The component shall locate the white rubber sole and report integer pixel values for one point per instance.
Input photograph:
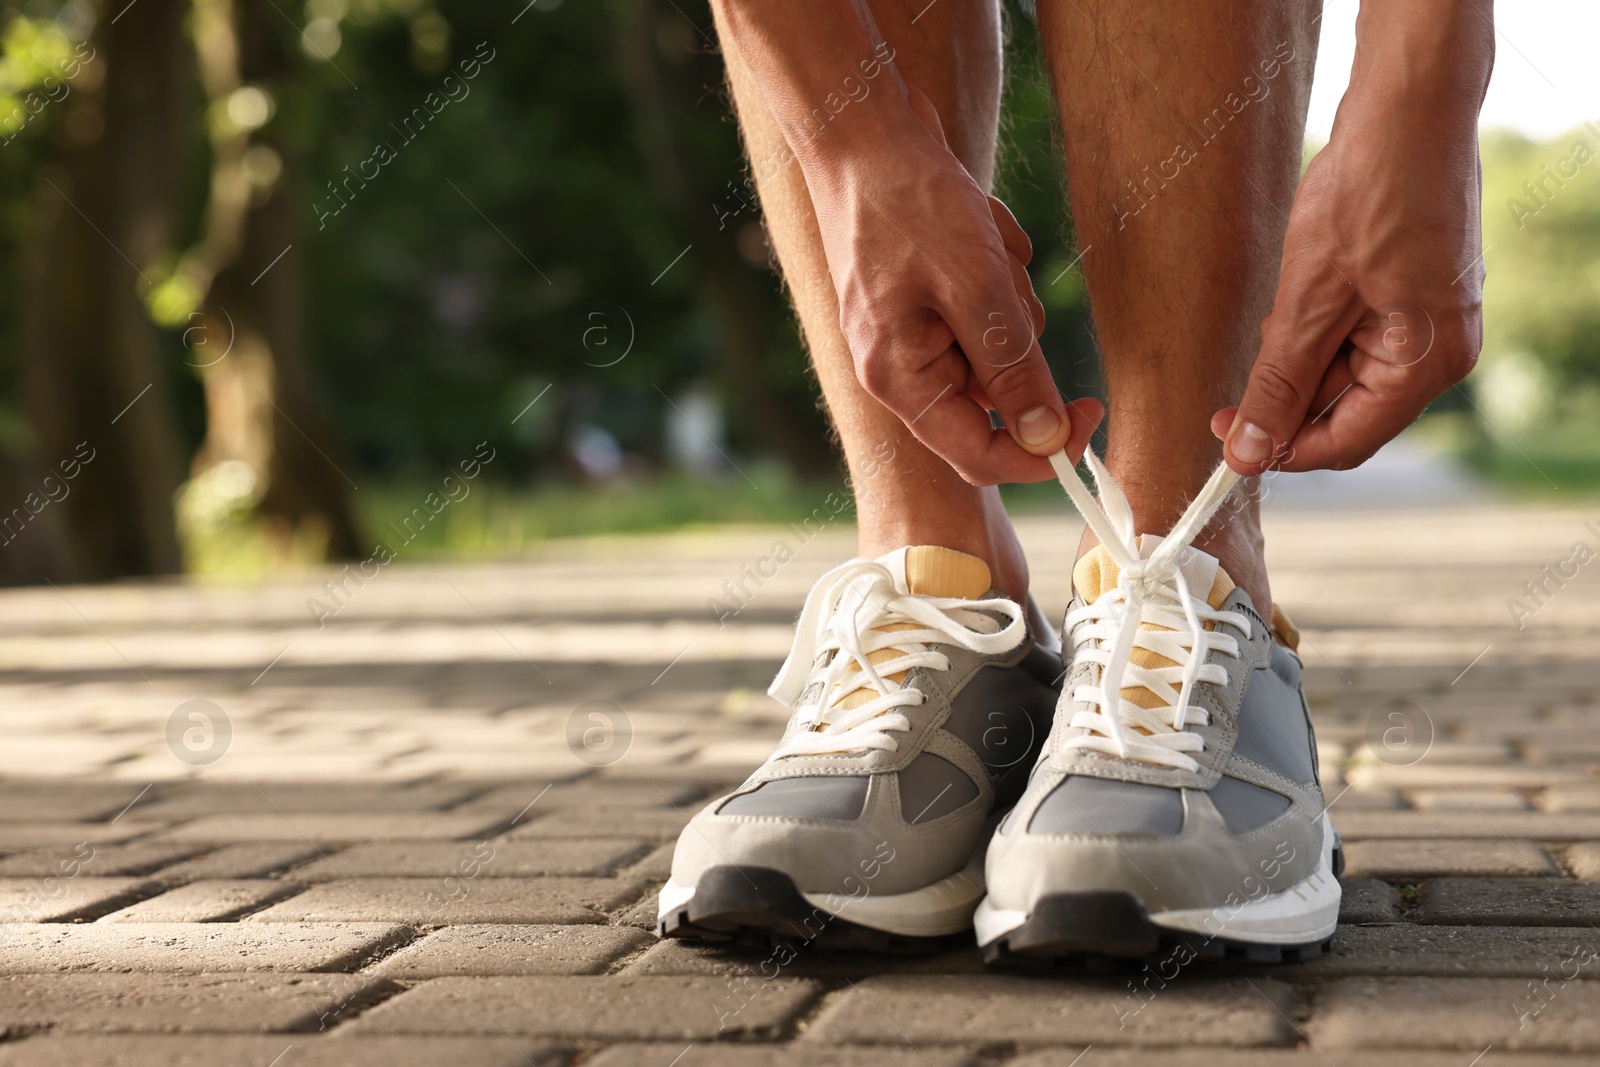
(1306, 911)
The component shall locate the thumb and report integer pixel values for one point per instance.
(1286, 376)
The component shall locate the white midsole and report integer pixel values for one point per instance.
(1306, 911)
(945, 907)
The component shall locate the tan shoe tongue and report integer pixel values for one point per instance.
(1096, 573)
(930, 570)
(923, 570)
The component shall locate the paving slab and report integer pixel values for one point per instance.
(615, 1008)
(1510, 902)
(662, 1055)
(657, 866)
(63, 802)
(270, 798)
(193, 948)
(483, 859)
(1467, 1014)
(987, 1009)
(1368, 900)
(141, 857)
(1468, 822)
(255, 860)
(1583, 860)
(1302, 1056)
(542, 797)
(500, 948)
(657, 825)
(17, 836)
(332, 827)
(279, 1050)
(52, 899)
(1447, 951)
(206, 901)
(441, 902)
(1413, 859)
(154, 1003)
(1573, 797)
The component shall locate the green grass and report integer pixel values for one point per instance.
(499, 521)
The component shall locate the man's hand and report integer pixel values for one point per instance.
(1378, 308)
(937, 306)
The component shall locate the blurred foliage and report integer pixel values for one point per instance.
(486, 238)
(1538, 385)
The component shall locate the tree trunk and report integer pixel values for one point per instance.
(93, 371)
(249, 271)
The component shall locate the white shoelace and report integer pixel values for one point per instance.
(844, 614)
(1152, 591)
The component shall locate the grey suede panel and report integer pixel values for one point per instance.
(1002, 715)
(932, 787)
(808, 798)
(1248, 826)
(1244, 805)
(1083, 805)
(1204, 866)
(825, 855)
(1273, 730)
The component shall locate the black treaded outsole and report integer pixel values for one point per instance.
(1112, 931)
(758, 907)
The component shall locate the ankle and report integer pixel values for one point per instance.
(984, 531)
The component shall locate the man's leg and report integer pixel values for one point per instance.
(905, 495)
(1183, 124)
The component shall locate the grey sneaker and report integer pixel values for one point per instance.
(921, 699)
(1176, 805)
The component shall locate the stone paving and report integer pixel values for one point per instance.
(430, 829)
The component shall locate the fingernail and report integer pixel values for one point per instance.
(1251, 444)
(1038, 427)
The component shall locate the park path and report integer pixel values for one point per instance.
(429, 830)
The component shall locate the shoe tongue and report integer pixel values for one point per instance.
(1096, 572)
(921, 570)
(930, 570)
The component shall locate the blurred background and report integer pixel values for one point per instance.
(291, 281)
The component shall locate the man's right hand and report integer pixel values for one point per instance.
(937, 306)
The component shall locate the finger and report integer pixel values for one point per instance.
(1360, 423)
(1337, 380)
(1024, 283)
(960, 431)
(1005, 357)
(1314, 313)
(1011, 231)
